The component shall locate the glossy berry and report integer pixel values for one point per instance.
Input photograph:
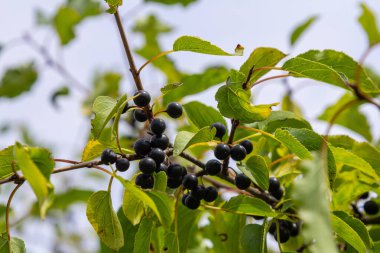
(174, 110)
(222, 151)
(145, 181)
(142, 99)
(125, 109)
(158, 155)
(108, 156)
(273, 228)
(278, 194)
(211, 193)
(190, 181)
(364, 195)
(220, 130)
(192, 203)
(122, 164)
(198, 192)
(175, 171)
(274, 184)
(139, 115)
(184, 172)
(371, 207)
(159, 141)
(184, 196)
(238, 152)
(242, 181)
(213, 167)
(147, 165)
(247, 145)
(295, 229)
(174, 182)
(162, 167)
(157, 126)
(141, 147)
(284, 235)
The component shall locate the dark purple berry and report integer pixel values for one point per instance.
(175, 170)
(184, 196)
(158, 155)
(142, 99)
(159, 141)
(174, 182)
(364, 195)
(157, 126)
(192, 203)
(213, 167)
(145, 181)
(122, 164)
(371, 207)
(278, 194)
(295, 229)
(247, 145)
(211, 193)
(198, 192)
(274, 184)
(139, 115)
(108, 156)
(190, 181)
(141, 147)
(162, 167)
(222, 151)
(242, 181)
(220, 130)
(238, 152)
(174, 110)
(147, 165)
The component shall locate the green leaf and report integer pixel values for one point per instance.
(331, 67)
(292, 143)
(64, 200)
(170, 87)
(185, 139)
(369, 153)
(171, 2)
(350, 118)
(249, 206)
(165, 206)
(369, 23)
(252, 239)
(133, 205)
(160, 180)
(198, 45)
(37, 173)
(15, 245)
(105, 109)
(300, 29)
(234, 102)
(18, 80)
(6, 158)
(187, 222)
(202, 115)
(104, 220)
(261, 57)
(196, 83)
(257, 170)
(278, 119)
(357, 225)
(310, 194)
(60, 92)
(142, 239)
(113, 4)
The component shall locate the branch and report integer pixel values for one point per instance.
(234, 125)
(269, 78)
(7, 209)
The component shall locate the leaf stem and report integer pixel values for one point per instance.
(153, 59)
(8, 207)
(234, 125)
(290, 156)
(269, 78)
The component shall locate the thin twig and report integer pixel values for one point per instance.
(269, 78)
(234, 125)
(153, 59)
(7, 209)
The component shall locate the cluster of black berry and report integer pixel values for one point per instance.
(370, 207)
(110, 157)
(275, 188)
(286, 230)
(197, 192)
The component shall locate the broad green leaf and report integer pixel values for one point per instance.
(331, 67)
(171, 243)
(37, 177)
(171, 2)
(198, 45)
(18, 80)
(348, 234)
(369, 153)
(6, 158)
(113, 4)
(42, 158)
(133, 205)
(170, 87)
(252, 239)
(196, 83)
(60, 92)
(187, 222)
(292, 143)
(300, 29)
(142, 239)
(368, 22)
(202, 115)
(234, 102)
(261, 57)
(257, 170)
(310, 194)
(105, 109)
(346, 157)
(92, 150)
(278, 119)
(104, 220)
(64, 200)
(350, 118)
(15, 245)
(160, 180)
(249, 206)
(357, 225)
(165, 206)
(185, 139)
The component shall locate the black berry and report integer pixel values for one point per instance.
(198, 192)
(220, 130)
(145, 181)
(162, 167)
(122, 164)
(147, 165)
(190, 181)
(108, 156)
(295, 229)
(274, 184)
(157, 126)
(222, 151)
(371, 207)
(192, 203)
(247, 145)
(174, 110)
(364, 195)
(184, 198)
(238, 152)
(141, 147)
(175, 171)
(158, 155)
(125, 109)
(211, 193)
(159, 141)
(278, 194)
(139, 115)
(142, 99)
(213, 167)
(174, 182)
(273, 228)
(284, 235)
(242, 181)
